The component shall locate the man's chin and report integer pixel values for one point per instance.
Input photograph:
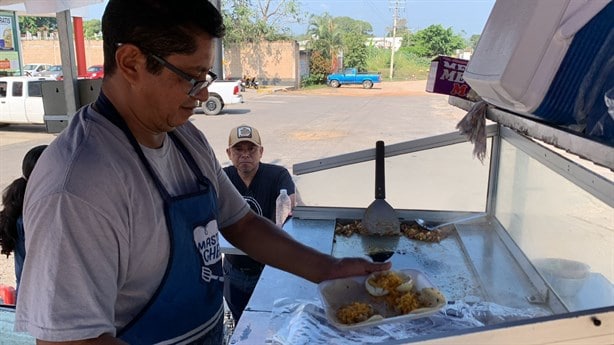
(245, 168)
(183, 117)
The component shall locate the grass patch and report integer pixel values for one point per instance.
(314, 87)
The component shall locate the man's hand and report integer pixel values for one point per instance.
(347, 267)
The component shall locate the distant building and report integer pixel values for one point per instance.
(385, 42)
(463, 53)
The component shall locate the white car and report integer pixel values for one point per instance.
(35, 69)
(221, 94)
(21, 100)
(55, 72)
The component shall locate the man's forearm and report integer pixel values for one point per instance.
(266, 243)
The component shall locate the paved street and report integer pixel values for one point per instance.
(302, 126)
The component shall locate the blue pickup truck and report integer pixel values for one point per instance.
(352, 76)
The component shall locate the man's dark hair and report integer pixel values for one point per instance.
(12, 199)
(161, 27)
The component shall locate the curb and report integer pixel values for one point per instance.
(277, 89)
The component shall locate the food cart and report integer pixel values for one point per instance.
(529, 256)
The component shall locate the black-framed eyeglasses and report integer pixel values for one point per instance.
(197, 85)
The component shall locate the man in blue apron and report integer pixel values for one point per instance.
(124, 209)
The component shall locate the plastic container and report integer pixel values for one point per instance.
(283, 207)
(565, 276)
(339, 292)
(547, 59)
(7, 295)
(446, 77)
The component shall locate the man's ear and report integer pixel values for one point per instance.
(130, 62)
(228, 152)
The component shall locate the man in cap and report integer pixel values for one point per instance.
(259, 183)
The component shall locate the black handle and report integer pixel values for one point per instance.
(380, 189)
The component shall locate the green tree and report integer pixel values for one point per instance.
(473, 41)
(254, 21)
(319, 68)
(348, 25)
(33, 24)
(92, 29)
(355, 51)
(407, 38)
(402, 28)
(354, 34)
(325, 37)
(435, 40)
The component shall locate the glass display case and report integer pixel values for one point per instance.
(530, 253)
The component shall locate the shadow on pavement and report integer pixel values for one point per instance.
(224, 112)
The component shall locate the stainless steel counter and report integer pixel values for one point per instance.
(472, 263)
(275, 284)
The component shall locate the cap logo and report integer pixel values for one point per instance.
(244, 132)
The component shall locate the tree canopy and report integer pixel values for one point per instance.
(92, 29)
(334, 36)
(435, 40)
(253, 21)
(33, 24)
(325, 35)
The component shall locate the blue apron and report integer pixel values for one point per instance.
(187, 307)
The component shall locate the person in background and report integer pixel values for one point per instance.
(11, 219)
(126, 207)
(259, 183)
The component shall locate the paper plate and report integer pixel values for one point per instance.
(337, 293)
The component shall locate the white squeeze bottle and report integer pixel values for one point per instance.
(283, 207)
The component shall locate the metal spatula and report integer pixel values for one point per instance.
(380, 218)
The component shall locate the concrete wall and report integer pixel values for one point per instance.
(48, 51)
(272, 63)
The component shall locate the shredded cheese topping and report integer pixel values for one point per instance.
(388, 281)
(354, 313)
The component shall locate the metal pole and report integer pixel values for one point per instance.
(394, 33)
(218, 67)
(67, 53)
(79, 46)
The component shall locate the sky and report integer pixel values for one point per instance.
(469, 16)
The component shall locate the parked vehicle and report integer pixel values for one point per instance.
(35, 69)
(21, 100)
(222, 93)
(352, 76)
(95, 72)
(54, 72)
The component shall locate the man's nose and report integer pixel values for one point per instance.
(203, 95)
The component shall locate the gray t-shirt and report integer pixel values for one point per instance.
(96, 233)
